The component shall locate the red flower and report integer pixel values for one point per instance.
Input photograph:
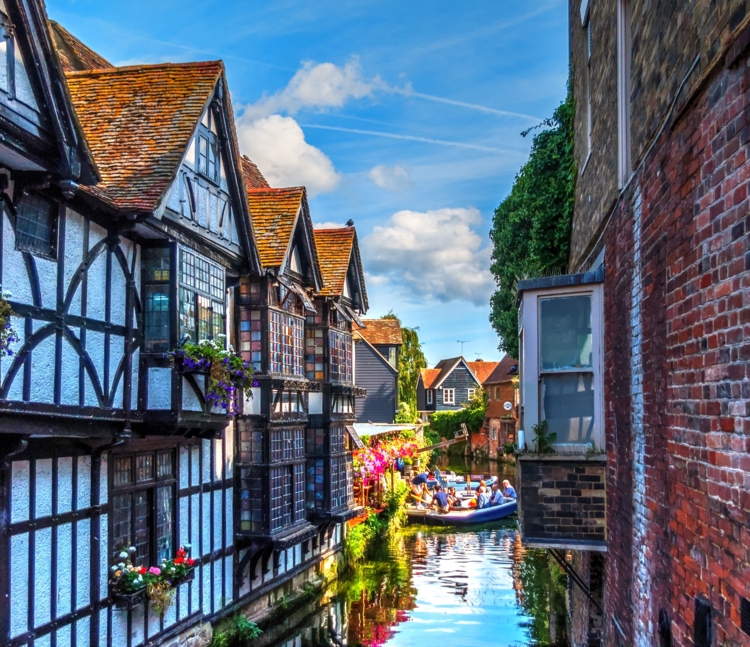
(179, 560)
(190, 561)
(142, 570)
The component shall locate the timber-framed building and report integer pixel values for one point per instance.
(131, 224)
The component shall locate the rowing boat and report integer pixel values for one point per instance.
(463, 517)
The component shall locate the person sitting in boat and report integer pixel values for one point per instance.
(453, 499)
(497, 495)
(440, 500)
(483, 496)
(509, 491)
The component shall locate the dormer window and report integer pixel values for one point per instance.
(208, 162)
(294, 263)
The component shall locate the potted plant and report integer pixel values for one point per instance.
(7, 334)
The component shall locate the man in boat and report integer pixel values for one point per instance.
(483, 496)
(509, 491)
(497, 495)
(440, 500)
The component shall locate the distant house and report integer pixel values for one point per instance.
(502, 407)
(376, 351)
(450, 384)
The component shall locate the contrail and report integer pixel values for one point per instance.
(426, 140)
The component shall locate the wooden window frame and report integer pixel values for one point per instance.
(452, 399)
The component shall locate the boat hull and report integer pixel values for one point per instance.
(468, 517)
(459, 483)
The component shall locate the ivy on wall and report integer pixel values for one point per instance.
(531, 227)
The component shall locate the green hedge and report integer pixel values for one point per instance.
(446, 423)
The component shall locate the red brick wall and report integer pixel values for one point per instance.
(677, 386)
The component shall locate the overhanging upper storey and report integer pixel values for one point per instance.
(561, 465)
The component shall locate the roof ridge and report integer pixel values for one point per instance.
(275, 189)
(145, 68)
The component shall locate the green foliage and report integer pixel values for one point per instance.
(544, 585)
(509, 448)
(235, 631)
(407, 414)
(544, 439)
(7, 334)
(446, 423)
(531, 227)
(411, 360)
(359, 538)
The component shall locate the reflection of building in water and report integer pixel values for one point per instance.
(517, 555)
(326, 628)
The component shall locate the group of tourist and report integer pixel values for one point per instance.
(446, 499)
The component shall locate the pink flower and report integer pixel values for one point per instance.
(154, 570)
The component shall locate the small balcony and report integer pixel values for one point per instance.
(562, 501)
(172, 398)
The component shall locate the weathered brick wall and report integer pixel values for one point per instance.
(561, 498)
(677, 387)
(667, 38)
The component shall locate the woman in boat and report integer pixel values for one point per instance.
(483, 496)
(453, 499)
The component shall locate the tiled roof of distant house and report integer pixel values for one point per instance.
(251, 173)
(73, 54)
(429, 375)
(334, 254)
(381, 332)
(445, 367)
(482, 370)
(502, 371)
(138, 122)
(274, 212)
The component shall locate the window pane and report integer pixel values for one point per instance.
(187, 314)
(565, 333)
(164, 514)
(156, 264)
(204, 317)
(123, 470)
(35, 225)
(121, 523)
(568, 402)
(157, 317)
(141, 528)
(164, 464)
(144, 468)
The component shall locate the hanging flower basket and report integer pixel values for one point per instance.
(228, 372)
(131, 585)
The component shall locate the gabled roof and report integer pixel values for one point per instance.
(274, 214)
(381, 332)
(502, 373)
(73, 54)
(479, 370)
(376, 352)
(251, 174)
(138, 121)
(334, 253)
(429, 375)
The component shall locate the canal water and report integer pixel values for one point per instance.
(443, 586)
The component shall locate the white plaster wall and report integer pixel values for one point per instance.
(42, 576)
(84, 482)
(19, 586)
(16, 389)
(43, 488)
(74, 231)
(135, 374)
(229, 517)
(83, 563)
(15, 277)
(47, 273)
(184, 466)
(118, 295)
(83, 632)
(64, 484)
(70, 368)
(19, 491)
(158, 396)
(116, 353)
(64, 570)
(43, 370)
(190, 401)
(97, 286)
(95, 350)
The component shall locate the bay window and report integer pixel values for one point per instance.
(156, 287)
(340, 350)
(561, 350)
(201, 297)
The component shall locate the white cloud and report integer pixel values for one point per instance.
(277, 145)
(315, 85)
(328, 225)
(390, 178)
(435, 254)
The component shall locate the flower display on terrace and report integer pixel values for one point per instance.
(7, 334)
(158, 582)
(374, 460)
(228, 372)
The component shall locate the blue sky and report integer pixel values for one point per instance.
(403, 116)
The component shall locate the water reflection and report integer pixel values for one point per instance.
(477, 587)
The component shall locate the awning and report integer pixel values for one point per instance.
(358, 444)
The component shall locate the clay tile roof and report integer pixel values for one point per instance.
(334, 253)
(501, 373)
(482, 370)
(138, 122)
(74, 55)
(381, 332)
(251, 173)
(429, 375)
(274, 212)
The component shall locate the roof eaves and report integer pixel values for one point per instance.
(446, 371)
(378, 353)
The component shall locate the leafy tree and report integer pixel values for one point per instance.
(531, 227)
(411, 359)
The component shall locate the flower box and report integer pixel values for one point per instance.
(128, 601)
(184, 579)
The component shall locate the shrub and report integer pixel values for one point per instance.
(235, 631)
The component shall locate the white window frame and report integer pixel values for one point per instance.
(429, 396)
(529, 343)
(452, 399)
(471, 394)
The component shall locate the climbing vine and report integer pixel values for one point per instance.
(531, 227)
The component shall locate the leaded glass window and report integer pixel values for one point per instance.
(286, 343)
(340, 349)
(314, 353)
(143, 513)
(281, 497)
(202, 310)
(252, 488)
(36, 225)
(315, 484)
(156, 274)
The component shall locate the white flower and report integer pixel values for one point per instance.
(123, 554)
